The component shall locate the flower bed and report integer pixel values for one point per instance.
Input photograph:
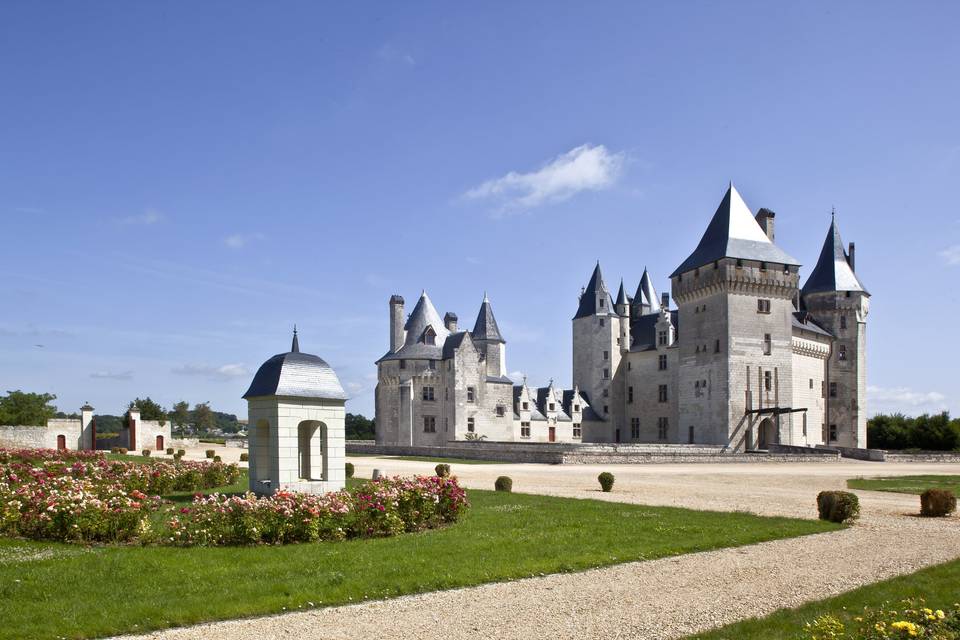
(62, 496)
(912, 619)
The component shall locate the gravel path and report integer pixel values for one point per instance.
(665, 598)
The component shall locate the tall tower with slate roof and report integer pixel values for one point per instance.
(596, 349)
(486, 335)
(836, 299)
(735, 295)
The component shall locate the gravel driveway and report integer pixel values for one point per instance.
(665, 598)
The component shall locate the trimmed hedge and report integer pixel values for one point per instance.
(244, 457)
(937, 503)
(442, 470)
(503, 483)
(211, 453)
(838, 506)
(146, 453)
(348, 469)
(606, 481)
(169, 451)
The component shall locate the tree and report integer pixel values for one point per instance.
(149, 410)
(180, 415)
(203, 417)
(34, 409)
(359, 428)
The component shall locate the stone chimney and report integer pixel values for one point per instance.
(450, 321)
(396, 323)
(665, 300)
(852, 257)
(765, 220)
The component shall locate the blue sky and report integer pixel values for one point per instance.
(182, 182)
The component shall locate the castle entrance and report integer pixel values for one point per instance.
(767, 433)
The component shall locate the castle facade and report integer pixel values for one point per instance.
(747, 358)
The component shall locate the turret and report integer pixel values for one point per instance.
(597, 343)
(486, 335)
(645, 301)
(623, 310)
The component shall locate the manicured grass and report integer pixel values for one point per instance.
(939, 586)
(450, 461)
(907, 484)
(49, 590)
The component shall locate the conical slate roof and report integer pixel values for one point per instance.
(485, 328)
(646, 294)
(621, 295)
(734, 233)
(832, 271)
(424, 315)
(588, 300)
(300, 375)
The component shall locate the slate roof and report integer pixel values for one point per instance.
(296, 374)
(588, 299)
(424, 315)
(646, 293)
(643, 330)
(733, 232)
(486, 327)
(803, 320)
(622, 295)
(832, 271)
(452, 343)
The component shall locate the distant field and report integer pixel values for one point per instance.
(907, 484)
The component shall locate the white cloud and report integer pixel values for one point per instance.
(112, 375)
(223, 372)
(951, 255)
(516, 376)
(146, 218)
(903, 399)
(584, 168)
(240, 240)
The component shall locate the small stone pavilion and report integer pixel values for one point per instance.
(296, 415)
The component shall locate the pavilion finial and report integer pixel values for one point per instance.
(295, 347)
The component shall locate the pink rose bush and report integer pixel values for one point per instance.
(83, 497)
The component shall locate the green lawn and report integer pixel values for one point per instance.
(450, 461)
(939, 586)
(907, 484)
(50, 590)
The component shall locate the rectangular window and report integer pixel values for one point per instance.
(471, 425)
(635, 428)
(446, 424)
(663, 425)
(428, 393)
(662, 393)
(842, 353)
(763, 306)
(576, 407)
(501, 411)
(526, 406)
(446, 393)
(716, 346)
(833, 389)
(662, 362)
(767, 344)
(629, 394)
(601, 322)
(811, 383)
(804, 424)
(690, 435)
(662, 338)
(601, 303)
(768, 380)
(843, 322)
(833, 433)
(429, 424)
(629, 366)
(471, 394)
(606, 393)
(606, 374)
(553, 407)
(606, 355)
(606, 409)
(432, 365)
(576, 430)
(524, 429)
(403, 364)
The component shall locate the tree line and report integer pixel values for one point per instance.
(937, 432)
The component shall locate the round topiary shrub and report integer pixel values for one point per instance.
(244, 457)
(503, 483)
(348, 469)
(211, 453)
(146, 453)
(606, 481)
(123, 450)
(442, 470)
(114, 449)
(937, 503)
(181, 452)
(838, 506)
(169, 451)
(177, 457)
(217, 459)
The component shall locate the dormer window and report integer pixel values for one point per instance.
(429, 336)
(601, 303)
(553, 407)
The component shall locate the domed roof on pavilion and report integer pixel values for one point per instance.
(295, 374)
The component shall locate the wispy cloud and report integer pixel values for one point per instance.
(148, 217)
(240, 240)
(517, 376)
(951, 255)
(584, 168)
(904, 399)
(112, 375)
(222, 372)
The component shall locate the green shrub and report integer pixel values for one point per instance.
(348, 469)
(211, 453)
(181, 452)
(177, 457)
(217, 459)
(937, 503)
(503, 483)
(838, 506)
(114, 449)
(146, 453)
(442, 470)
(606, 481)
(244, 457)
(169, 451)
(123, 450)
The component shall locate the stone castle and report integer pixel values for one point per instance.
(746, 360)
